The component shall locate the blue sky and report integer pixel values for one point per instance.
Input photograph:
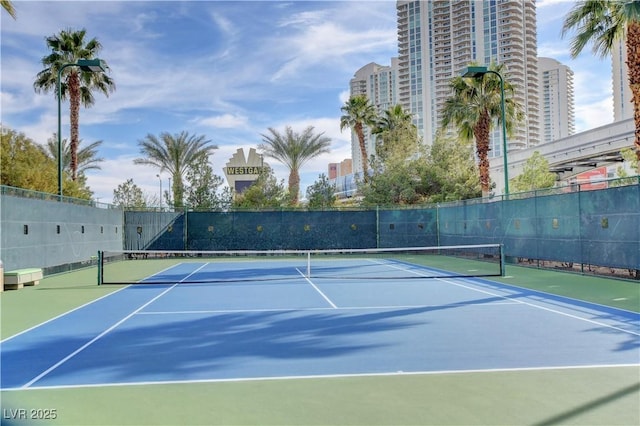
(228, 70)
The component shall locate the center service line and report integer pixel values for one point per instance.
(317, 289)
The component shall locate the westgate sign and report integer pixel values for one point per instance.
(243, 170)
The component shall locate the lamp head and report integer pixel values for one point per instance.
(475, 72)
(91, 65)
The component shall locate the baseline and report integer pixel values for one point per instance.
(332, 376)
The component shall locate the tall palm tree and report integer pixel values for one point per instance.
(66, 48)
(603, 23)
(396, 132)
(293, 150)
(87, 156)
(475, 108)
(6, 5)
(174, 153)
(358, 113)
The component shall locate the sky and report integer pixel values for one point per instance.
(229, 70)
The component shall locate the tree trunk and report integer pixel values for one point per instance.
(73, 83)
(481, 133)
(294, 186)
(363, 152)
(633, 65)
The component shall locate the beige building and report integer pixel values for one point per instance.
(379, 84)
(343, 168)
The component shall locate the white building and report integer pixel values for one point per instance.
(438, 39)
(557, 103)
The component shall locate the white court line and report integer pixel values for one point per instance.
(332, 376)
(317, 289)
(90, 342)
(342, 308)
(61, 315)
(81, 306)
(533, 305)
(98, 337)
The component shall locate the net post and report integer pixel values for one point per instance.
(100, 255)
(308, 264)
(502, 261)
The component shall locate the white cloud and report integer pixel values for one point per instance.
(594, 114)
(344, 96)
(553, 50)
(329, 42)
(304, 19)
(225, 121)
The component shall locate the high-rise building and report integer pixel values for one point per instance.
(622, 96)
(557, 105)
(438, 39)
(379, 84)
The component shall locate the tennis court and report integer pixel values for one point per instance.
(190, 320)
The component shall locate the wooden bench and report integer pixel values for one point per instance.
(16, 279)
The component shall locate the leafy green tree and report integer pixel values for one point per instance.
(293, 150)
(78, 86)
(129, 195)
(446, 172)
(475, 107)
(203, 190)
(175, 154)
(454, 173)
(629, 157)
(399, 169)
(266, 192)
(358, 113)
(535, 175)
(87, 156)
(603, 23)
(23, 164)
(398, 185)
(8, 7)
(321, 194)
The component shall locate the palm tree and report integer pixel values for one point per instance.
(396, 132)
(474, 108)
(603, 23)
(87, 156)
(77, 85)
(174, 153)
(358, 113)
(293, 150)
(6, 5)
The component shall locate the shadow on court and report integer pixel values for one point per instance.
(157, 347)
(194, 346)
(111, 342)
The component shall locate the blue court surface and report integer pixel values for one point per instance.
(294, 326)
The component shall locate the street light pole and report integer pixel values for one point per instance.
(89, 65)
(170, 193)
(160, 179)
(478, 72)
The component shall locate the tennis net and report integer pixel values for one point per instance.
(168, 267)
